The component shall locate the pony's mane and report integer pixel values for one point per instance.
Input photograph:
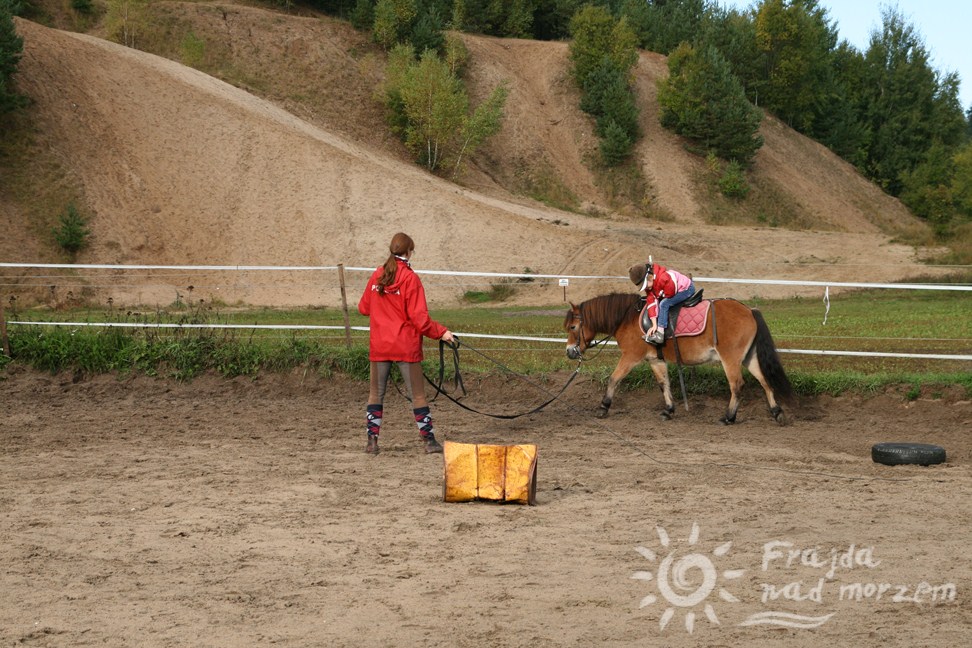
(605, 313)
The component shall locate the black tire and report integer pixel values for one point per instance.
(896, 454)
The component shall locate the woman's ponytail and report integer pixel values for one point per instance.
(401, 245)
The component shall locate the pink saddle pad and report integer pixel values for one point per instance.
(691, 320)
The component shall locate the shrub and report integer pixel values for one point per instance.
(497, 292)
(733, 183)
(615, 143)
(192, 50)
(72, 232)
(82, 6)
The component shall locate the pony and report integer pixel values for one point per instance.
(734, 334)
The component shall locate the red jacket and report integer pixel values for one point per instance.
(666, 282)
(399, 318)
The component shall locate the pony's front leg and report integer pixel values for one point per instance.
(627, 362)
(660, 369)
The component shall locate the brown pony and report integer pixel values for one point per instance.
(734, 334)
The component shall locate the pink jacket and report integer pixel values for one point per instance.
(665, 284)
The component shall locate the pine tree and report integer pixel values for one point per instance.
(703, 101)
(11, 49)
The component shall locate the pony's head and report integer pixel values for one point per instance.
(602, 314)
(578, 338)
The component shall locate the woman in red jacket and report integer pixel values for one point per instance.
(394, 300)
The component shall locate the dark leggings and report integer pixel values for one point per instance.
(411, 376)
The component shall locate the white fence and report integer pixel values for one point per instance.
(561, 280)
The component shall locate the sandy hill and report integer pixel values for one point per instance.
(180, 167)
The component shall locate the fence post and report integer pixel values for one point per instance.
(3, 331)
(344, 306)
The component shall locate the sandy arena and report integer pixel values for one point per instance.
(142, 512)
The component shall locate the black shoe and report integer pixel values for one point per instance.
(658, 337)
(372, 444)
(431, 445)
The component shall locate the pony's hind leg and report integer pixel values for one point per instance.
(775, 410)
(735, 377)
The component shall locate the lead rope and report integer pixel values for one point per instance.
(460, 386)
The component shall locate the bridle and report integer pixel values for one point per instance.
(576, 351)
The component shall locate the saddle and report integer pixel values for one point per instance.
(685, 319)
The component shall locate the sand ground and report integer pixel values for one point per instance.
(142, 512)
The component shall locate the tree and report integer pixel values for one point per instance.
(482, 124)
(962, 180)
(906, 105)
(430, 109)
(603, 52)
(551, 18)
(393, 21)
(427, 32)
(363, 15)
(508, 18)
(11, 49)
(839, 126)
(596, 34)
(607, 95)
(795, 42)
(703, 101)
(518, 21)
(733, 33)
(125, 20)
(456, 54)
(435, 104)
(662, 26)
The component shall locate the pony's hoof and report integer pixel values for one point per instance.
(667, 415)
(780, 418)
(725, 420)
(601, 412)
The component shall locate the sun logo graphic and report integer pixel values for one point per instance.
(686, 581)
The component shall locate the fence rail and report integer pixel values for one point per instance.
(497, 275)
(453, 273)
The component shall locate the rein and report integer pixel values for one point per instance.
(460, 386)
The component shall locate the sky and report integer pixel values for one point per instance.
(942, 24)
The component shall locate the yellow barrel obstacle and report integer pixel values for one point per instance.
(475, 471)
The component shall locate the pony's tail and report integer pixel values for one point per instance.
(769, 360)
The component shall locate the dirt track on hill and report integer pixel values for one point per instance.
(181, 168)
(244, 512)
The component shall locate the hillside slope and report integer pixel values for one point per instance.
(182, 168)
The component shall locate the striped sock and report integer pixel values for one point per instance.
(423, 419)
(374, 419)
